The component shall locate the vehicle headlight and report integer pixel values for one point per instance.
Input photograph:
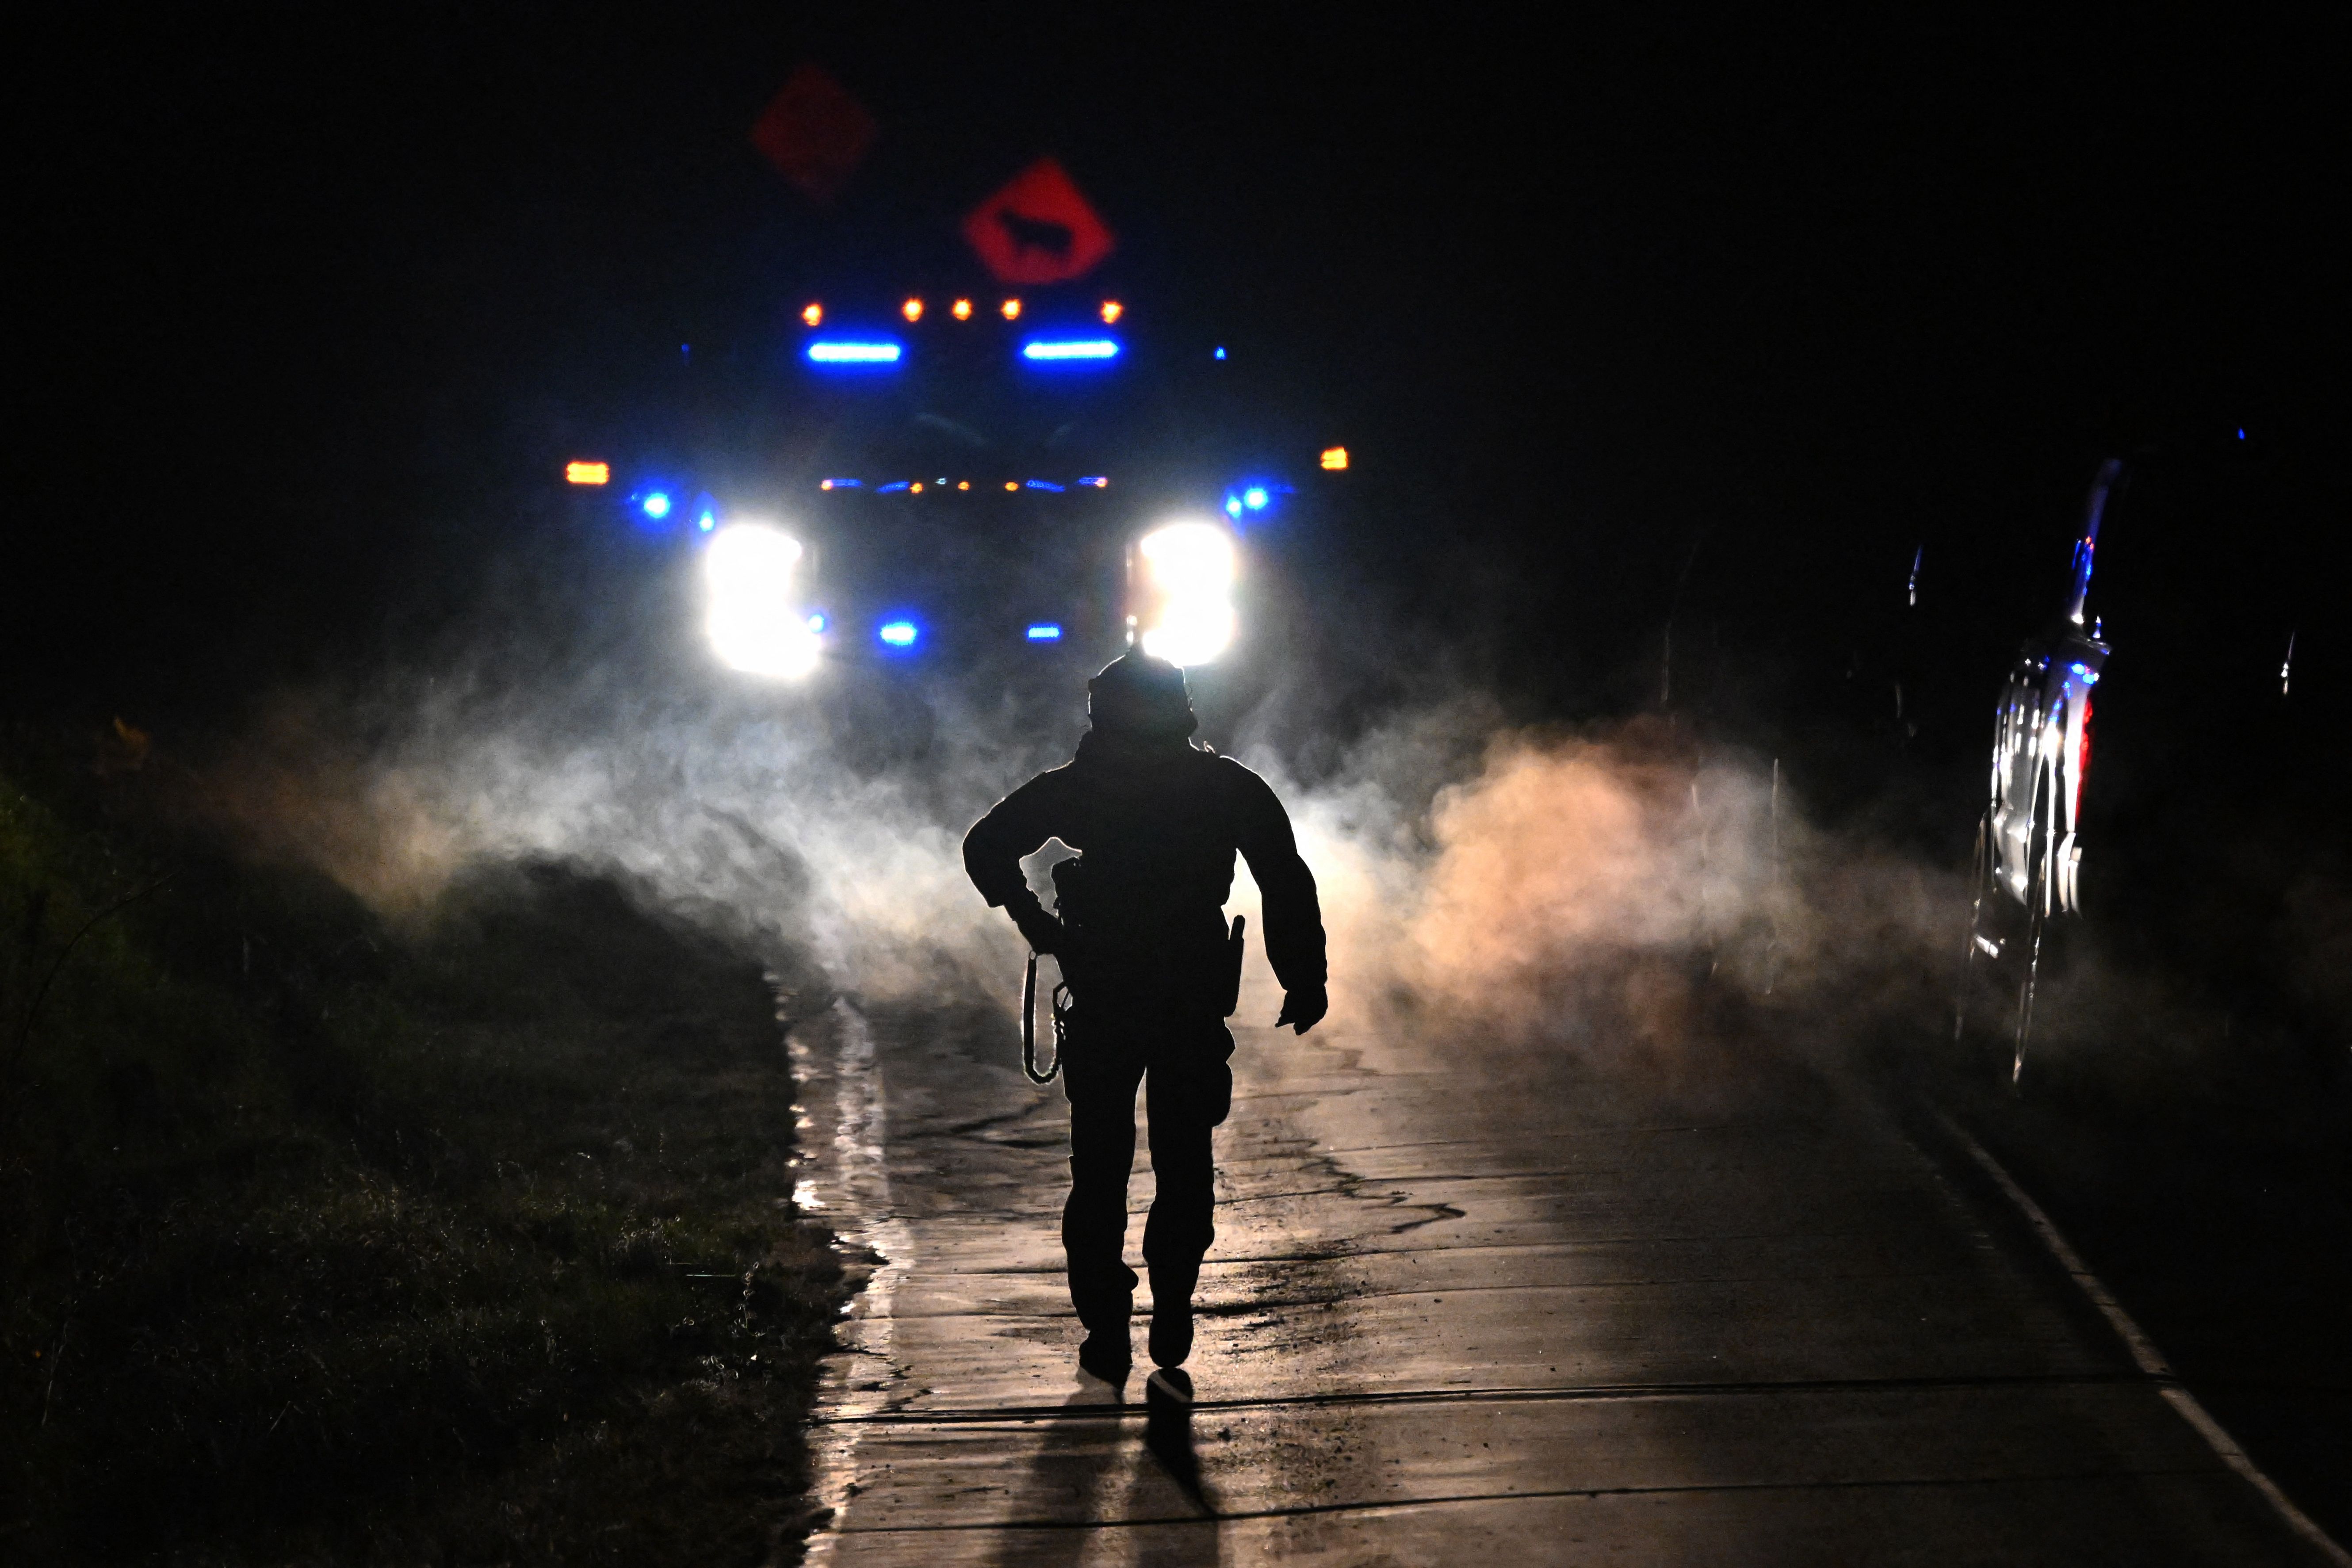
(755, 625)
(1186, 610)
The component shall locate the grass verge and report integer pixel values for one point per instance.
(330, 1240)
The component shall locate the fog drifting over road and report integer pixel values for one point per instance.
(1599, 887)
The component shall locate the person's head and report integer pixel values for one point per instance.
(1141, 698)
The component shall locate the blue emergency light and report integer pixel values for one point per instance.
(1053, 350)
(898, 633)
(1045, 631)
(1252, 496)
(845, 351)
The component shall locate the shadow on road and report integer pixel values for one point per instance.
(1062, 1497)
(1168, 1455)
(1077, 1451)
(1169, 1439)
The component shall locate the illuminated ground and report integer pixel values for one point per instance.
(1527, 1311)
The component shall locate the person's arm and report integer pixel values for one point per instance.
(1016, 828)
(1292, 912)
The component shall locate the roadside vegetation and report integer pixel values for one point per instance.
(328, 1240)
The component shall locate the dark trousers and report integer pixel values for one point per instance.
(1182, 1066)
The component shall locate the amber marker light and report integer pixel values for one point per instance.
(912, 310)
(1013, 310)
(814, 314)
(587, 473)
(1013, 484)
(917, 486)
(1335, 457)
(824, 484)
(1112, 311)
(964, 484)
(960, 310)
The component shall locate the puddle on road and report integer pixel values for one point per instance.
(843, 1127)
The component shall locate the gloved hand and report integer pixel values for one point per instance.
(1046, 933)
(1303, 1008)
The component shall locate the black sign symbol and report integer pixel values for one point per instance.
(1035, 233)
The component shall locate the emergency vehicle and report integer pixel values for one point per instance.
(964, 478)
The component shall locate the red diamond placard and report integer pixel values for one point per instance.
(814, 132)
(1038, 228)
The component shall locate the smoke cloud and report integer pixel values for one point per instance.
(1561, 883)
(1604, 886)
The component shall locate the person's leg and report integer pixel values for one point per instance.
(1101, 1088)
(1187, 1093)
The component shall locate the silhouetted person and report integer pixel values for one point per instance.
(1144, 948)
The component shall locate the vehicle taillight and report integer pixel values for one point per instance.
(2083, 754)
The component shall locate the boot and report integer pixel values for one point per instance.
(1107, 1355)
(1171, 1315)
(1105, 1299)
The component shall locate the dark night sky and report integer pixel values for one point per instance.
(309, 294)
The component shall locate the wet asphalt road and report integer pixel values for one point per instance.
(1482, 1304)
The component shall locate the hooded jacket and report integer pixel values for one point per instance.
(1159, 822)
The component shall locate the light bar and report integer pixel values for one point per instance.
(1045, 631)
(1046, 485)
(1070, 349)
(836, 351)
(891, 488)
(587, 473)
